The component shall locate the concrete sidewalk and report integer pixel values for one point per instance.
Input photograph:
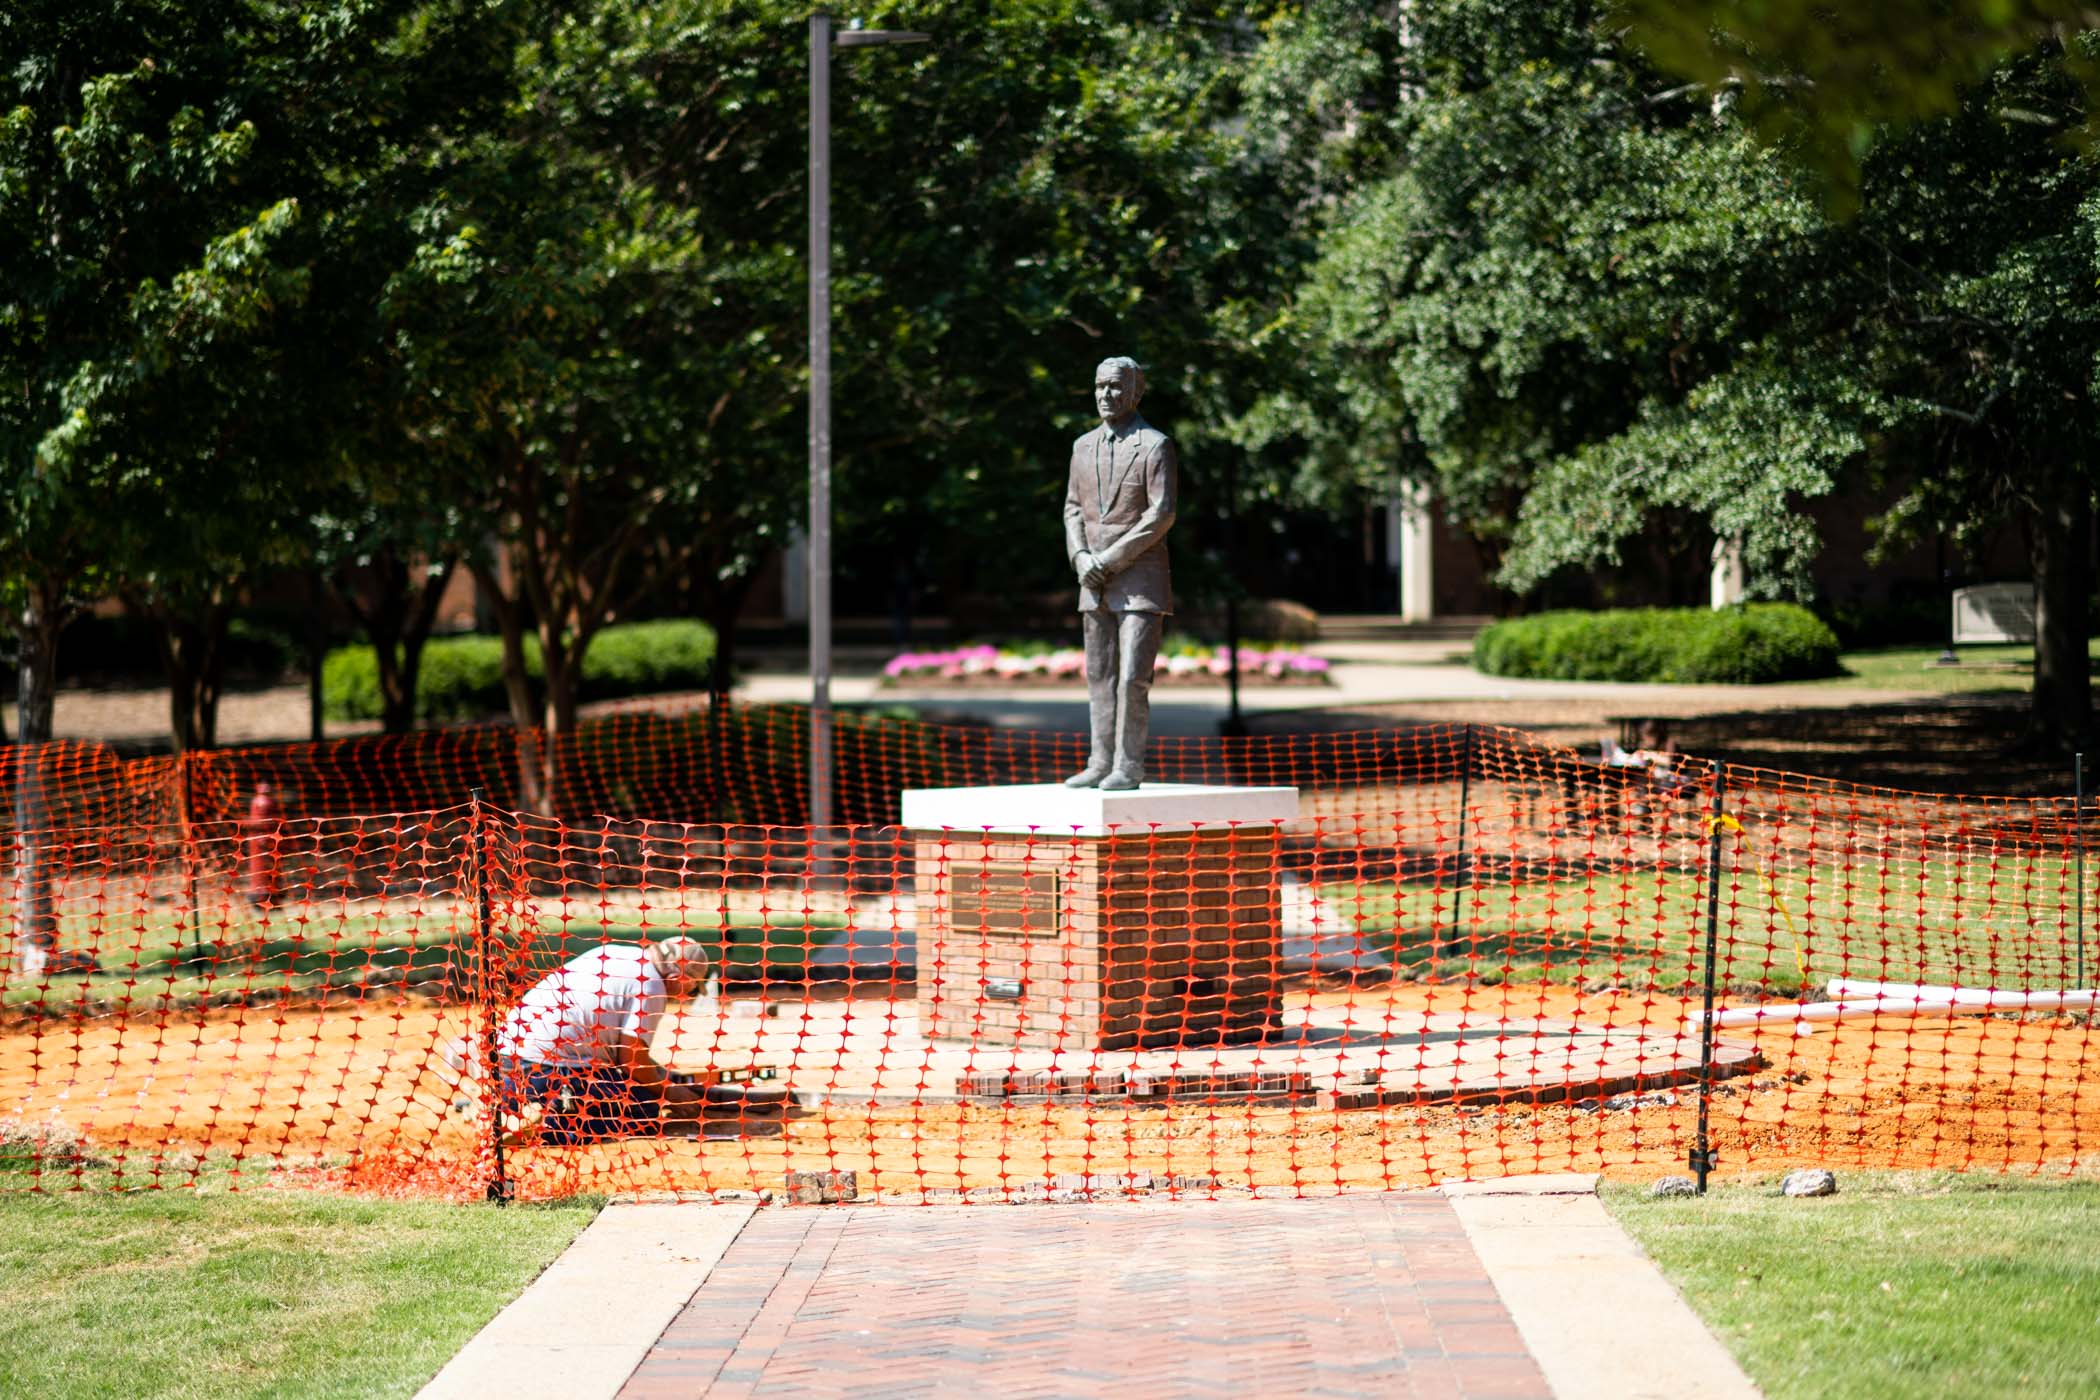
(1523, 1288)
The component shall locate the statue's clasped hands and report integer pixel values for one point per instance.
(1091, 574)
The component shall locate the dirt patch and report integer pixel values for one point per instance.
(282, 1090)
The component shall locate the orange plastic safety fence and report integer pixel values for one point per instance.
(1469, 955)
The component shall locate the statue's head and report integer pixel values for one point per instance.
(1118, 385)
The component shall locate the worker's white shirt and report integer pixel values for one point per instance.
(571, 1017)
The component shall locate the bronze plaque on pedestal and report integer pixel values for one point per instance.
(1003, 900)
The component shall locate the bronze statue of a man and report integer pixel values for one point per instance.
(1117, 512)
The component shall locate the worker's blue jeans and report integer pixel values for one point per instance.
(581, 1103)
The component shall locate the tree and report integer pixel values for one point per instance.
(598, 317)
(128, 247)
(1563, 250)
(1589, 299)
(1824, 81)
(174, 177)
(393, 505)
(1987, 260)
(1944, 330)
(1051, 183)
(134, 256)
(1985, 235)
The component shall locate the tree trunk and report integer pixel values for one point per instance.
(316, 653)
(561, 669)
(194, 652)
(2061, 714)
(517, 688)
(397, 618)
(724, 602)
(397, 684)
(35, 913)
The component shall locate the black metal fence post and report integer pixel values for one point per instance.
(1703, 1159)
(1458, 878)
(190, 857)
(499, 1188)
(2078, 835)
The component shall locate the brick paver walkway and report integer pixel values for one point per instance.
(1359, 1296)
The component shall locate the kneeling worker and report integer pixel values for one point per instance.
(578, 1044)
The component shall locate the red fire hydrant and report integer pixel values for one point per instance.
(259, 855)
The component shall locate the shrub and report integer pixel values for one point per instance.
(1748, 645)
(645, 658)
(462, 677)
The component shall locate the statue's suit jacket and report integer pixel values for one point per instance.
(1118, 508)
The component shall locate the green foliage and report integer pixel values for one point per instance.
(1823, 80)
(645, 658)
(425, 274)
(1587, 304)
(462, 677)
(1751, 645)
(627, 228)
(198, 200)
(1121, 200)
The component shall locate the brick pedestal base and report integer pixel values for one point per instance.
(1115, 935)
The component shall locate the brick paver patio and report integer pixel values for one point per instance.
(1375, 1295)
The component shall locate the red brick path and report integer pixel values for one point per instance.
(1356, 1296)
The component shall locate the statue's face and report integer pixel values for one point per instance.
(1115, 393)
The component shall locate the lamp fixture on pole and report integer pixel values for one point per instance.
(821, 40)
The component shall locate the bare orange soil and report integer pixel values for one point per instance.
(351, 1097)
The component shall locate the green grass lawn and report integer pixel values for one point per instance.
(262, 1292)
(1904, 1284)
(152, 962)
(1987, 918)
(1910, 668)
(1977, 915)
(1982, 912)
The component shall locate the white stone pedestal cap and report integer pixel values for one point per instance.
(1052, 809)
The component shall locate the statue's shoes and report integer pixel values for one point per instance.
(1089, 776)
(1123, 780)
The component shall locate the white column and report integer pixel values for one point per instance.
(1727, 581)
(1411, 542)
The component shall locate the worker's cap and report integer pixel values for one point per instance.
(686, 957)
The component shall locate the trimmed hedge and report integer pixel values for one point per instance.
(1748, 645)
(462, 677)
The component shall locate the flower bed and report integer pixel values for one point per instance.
(1179, 664)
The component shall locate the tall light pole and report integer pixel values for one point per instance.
(821, 40)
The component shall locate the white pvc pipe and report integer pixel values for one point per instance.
(1841, 987)
(1903, 994)
(1891, 999)
(1778, 1013)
